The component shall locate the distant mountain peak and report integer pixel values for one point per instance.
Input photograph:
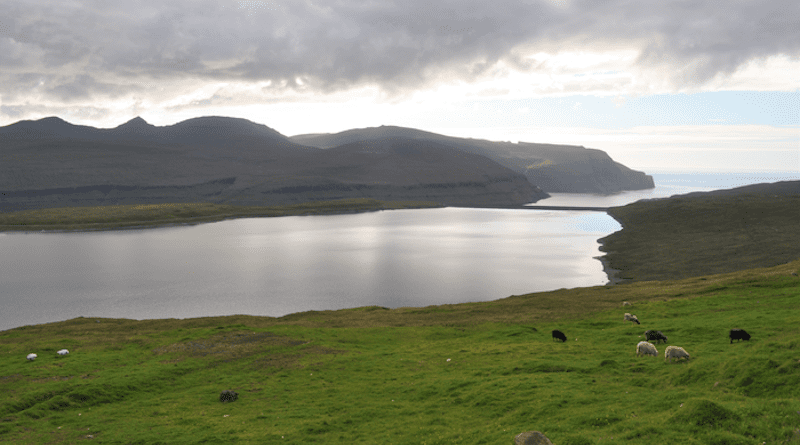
(135, 122)
(53, 119)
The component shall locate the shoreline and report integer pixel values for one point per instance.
(153, 224)
(611, 273)
(306, 209)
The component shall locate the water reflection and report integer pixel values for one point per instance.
(275, 266)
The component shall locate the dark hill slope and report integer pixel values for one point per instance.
(51, 163)
(706, 232)
(553, 168)
(408, 169)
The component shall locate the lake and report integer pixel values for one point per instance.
(277, 266)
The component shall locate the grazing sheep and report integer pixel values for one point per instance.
(559, 335)
(738, 334)
(675, 352)
(62, 352)
(32, 357)
(646, 348)
(625, 303)
(629, 317)
(228, 396)
(655, 336)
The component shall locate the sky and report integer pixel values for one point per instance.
(660, 85)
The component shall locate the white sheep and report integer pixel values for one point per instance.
(626, 303)
(629, 317)
(646, 348)
(675, 352)
(62, 352)
(32, 357)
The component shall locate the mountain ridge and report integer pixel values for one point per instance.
(233, 161)
(552, 167)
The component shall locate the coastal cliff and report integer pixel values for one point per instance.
(553, 168)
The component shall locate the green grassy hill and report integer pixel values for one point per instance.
(706, 233)
(468, 373)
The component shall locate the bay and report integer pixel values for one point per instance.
(277, 266)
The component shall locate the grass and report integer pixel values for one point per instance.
(144, 215)
(467, 373)
(690, 236)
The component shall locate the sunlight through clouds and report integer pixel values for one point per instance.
(474, 67)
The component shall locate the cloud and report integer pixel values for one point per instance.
(145, 50)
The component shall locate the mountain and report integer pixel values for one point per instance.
(50, 163)
(553, 168)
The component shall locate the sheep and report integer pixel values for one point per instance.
(228, 396)
(62, 352)
(625, 303)
(646, 348)
(629, 317)
(558, 335)
(655, 336)
(738, 334)
(32, 357)
(675, 352)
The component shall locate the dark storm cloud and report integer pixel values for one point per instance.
(84, 47)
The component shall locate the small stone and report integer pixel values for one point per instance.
(532, 438)
(228, 396)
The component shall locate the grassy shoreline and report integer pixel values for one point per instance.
(139, 216)
(466, 374)
(686, 236)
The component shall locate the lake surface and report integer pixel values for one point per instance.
(276, 266)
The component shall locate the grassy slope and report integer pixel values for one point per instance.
(468, 373)
(690, 236)
(120, 216)
(373, 375)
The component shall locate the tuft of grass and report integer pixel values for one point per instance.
(467, 373)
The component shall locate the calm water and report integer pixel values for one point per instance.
(276, 266)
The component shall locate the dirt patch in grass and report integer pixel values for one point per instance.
(227, 346)
(269, 350)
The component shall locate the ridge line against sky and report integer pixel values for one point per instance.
(656, 84)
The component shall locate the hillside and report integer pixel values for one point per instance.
(553, 168)
(706, 232)
(51, 163)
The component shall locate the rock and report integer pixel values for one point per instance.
(228, 396)
(532, 438)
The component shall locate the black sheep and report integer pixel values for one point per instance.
(559, 335)
(738, 334)
(655, 336)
